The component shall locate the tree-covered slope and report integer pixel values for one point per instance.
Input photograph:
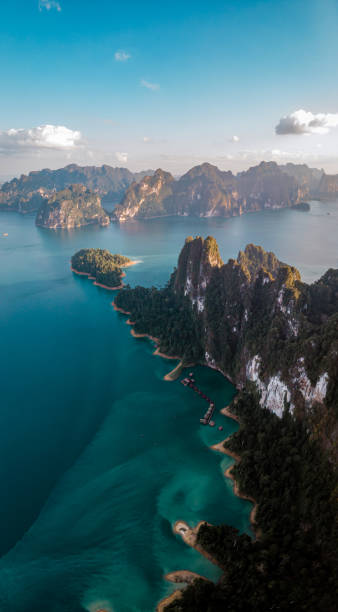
(253, 319)
(293, 565)
(101, 265)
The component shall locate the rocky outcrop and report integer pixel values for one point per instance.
(260, 322)
(26, 193)
(70, 208)
(149, 198)
(206, 191)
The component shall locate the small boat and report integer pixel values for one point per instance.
(212, 423)
(220, 428)
(5, 234)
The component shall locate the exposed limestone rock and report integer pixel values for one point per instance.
(70, 208)
(261, 323)
(206, 191)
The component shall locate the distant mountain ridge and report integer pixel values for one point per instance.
(206, 191)
(27, 193)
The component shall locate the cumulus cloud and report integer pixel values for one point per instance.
(121, 157)
(49, 5)
(41, 137)
(304, 122)
(148, 85)
(122, 56)
(234, 139)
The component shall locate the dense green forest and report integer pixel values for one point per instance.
(160, 313)
(101, 264)
(293, 565)
(284, 465)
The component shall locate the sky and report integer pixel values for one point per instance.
(167, 84)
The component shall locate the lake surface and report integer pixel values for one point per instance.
(98, 455)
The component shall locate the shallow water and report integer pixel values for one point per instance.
(98, 455)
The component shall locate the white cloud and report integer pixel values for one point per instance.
(234, 139)
(122, 56)
(121, 157)
(148, 85)
(49, 5)
(304, 122)
(41, 137)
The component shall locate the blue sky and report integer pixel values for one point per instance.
(149, 84)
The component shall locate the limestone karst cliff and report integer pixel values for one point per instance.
(253, 319)
(206, 191)
(148, 198)
(25, 194)
(70, 208)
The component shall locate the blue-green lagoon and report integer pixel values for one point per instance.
(99, 456)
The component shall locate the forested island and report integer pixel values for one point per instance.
(276, 338)
(101, 265)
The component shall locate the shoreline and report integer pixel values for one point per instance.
(161, 606)
(131, 263)
(219, 447)
(136, 335)
(88, 275)
(107, 287)
(176, 371)
(119, 309)
(187, 533)
(178, 577)
(189, 536)
(186, 576)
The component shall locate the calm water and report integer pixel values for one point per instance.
(98, 455)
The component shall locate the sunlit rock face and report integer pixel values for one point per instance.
(206, 191)
(70, 208)
(261, 323)
(26, 194)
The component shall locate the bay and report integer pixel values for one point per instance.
(98, 455)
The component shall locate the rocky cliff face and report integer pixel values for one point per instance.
(206, 191)
(261, 323)
(70, 208)
(328, 186)
(27, 193)
(149, 198)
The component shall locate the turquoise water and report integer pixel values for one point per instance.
(98, 455)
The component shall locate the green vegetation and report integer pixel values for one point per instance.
(294, 563)
(166, 316)
(101, 264)
(287, 464)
